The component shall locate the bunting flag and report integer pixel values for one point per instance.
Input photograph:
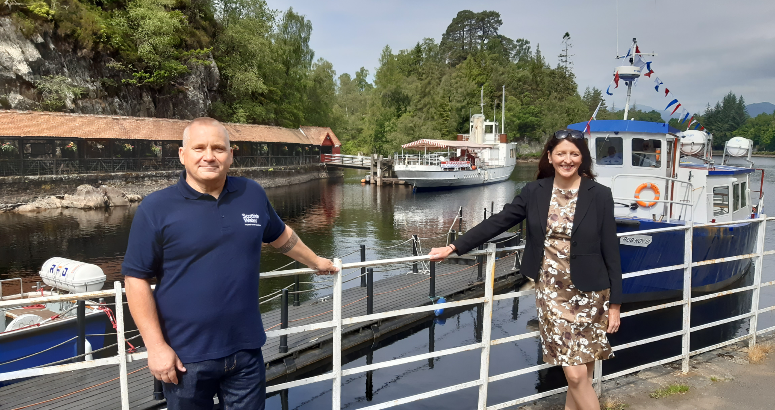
(667, 91)
(650, 71)
(702, 128)
(637, 49)
(685, 116)
(608, 90)
(691, 123)
(697, 126)
(671, 104)
(656, 80)
(616, 78)
(676, 108)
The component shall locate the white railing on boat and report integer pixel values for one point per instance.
(487, 342)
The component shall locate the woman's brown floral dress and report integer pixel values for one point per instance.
(572, 323)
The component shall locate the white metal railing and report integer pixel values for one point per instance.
(353, 160)
(487, 342)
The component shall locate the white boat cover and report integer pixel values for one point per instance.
(422, 144)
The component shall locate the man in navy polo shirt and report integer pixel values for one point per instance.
(201, 240)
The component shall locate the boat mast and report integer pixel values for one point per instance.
(629, 82)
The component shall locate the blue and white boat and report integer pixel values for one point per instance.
(643, 161)
(37, 335)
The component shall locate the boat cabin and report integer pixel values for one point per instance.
(655, 176)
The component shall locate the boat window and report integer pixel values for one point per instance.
(736, 196)
(744, 194)
(646, 153)
(609, 151)
(720, 200)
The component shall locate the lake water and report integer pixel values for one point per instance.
(334, 217)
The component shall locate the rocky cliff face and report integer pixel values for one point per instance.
(25, 60)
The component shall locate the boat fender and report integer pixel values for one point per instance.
(643, 186)
(438, 312)
(23, 321)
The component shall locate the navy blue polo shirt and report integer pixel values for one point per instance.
(205, 255)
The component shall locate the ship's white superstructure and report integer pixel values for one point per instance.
(482, 156)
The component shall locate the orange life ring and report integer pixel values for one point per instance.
(658, 152)
(650, 186)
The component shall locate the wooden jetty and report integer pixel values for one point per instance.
(98, 388)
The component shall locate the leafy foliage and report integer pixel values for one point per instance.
(55, 91)
(430, 90)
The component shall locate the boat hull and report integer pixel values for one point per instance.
(453, 179)
(665, 249)
(22, 343)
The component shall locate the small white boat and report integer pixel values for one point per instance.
(481, 157)
(36, 335)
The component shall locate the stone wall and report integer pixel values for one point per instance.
(22, 190)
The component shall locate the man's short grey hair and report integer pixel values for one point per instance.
(205, 121)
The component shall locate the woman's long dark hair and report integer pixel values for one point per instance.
(546, 170)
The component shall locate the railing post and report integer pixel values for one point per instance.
(432, 293)
(363, 270)
(370, 291)
(460, 220)
(480, 267)
(81, 324)
(484, 365)
(485, 213)
(284, 320)
(687, 297)
(451, 236)
(431, 342)
(415, 241)
(598, 377)
(121, 340)
(296, 288)
(336, 390)
(757, 279)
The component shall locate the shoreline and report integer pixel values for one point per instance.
(83, 191)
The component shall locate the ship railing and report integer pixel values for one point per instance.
(684, 204)
(419, 159)
(487, 342)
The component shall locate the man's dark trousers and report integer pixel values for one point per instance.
(238, 380)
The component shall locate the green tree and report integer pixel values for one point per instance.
(761, 130)
(725, 118)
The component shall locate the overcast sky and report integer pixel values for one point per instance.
(705, 48)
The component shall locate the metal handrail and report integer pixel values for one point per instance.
(487, 300)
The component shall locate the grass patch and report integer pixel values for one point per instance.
(613, 404)
(669, 391)
(759, 352)
(715, 379)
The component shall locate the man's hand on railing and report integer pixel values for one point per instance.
(439, 254)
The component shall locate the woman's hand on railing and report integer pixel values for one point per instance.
(439, 254)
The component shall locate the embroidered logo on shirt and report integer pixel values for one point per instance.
(251, 219)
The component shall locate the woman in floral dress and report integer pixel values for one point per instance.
(572, 254)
